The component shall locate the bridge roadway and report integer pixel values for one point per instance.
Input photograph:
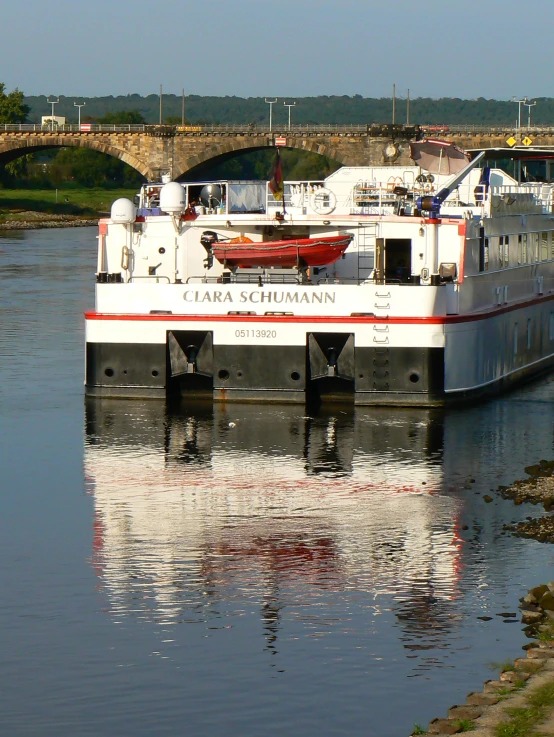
(154, 150)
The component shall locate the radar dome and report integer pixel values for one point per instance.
(172, 198)
(123, 211)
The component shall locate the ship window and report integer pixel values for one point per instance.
(534, 256)
(519, 241)
(544, 246)
(506, 250)
(515, 339)
(524, 254)
(501, 252)
(528, 333)
(483, 251)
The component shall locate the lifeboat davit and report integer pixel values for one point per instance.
(317, 251)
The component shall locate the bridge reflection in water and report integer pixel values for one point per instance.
(201, 516)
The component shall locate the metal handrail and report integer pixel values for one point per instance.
(150, 276)
(277, 130)
(198, 129)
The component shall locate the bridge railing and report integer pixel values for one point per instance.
(375, 129)
(215, 128)
(70, 128)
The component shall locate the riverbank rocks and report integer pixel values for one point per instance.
(540, 529)
(38, 224)
(537, 489)
(484, 710)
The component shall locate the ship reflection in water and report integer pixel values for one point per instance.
(200, 516)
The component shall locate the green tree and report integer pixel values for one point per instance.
(12, 108)
(123, 117)
(175, 120)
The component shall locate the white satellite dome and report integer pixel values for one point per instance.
(172, 198)
(123, 211)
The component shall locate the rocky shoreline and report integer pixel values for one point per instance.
(34, 220)
(516, 693)
(487, 713)
(537, 489)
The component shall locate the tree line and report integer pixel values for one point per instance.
(328, 109)
(86, 168)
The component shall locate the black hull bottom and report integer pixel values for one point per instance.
(286, 374)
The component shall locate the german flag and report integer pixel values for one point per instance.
(276, 178)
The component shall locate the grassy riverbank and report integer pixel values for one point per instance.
(15, 204)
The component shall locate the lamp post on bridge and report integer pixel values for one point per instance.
(52, 102)
(289, 107)
(529, 105)
(271, 103)
(79, 106)
(519, 104)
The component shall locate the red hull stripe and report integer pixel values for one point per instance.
(404, 320)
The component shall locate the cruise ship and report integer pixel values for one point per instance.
(378, 285)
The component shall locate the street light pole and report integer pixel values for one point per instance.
(52, 102)
(271, 103)
(80, 106)
(289, 107)
(529, 105)
(519, 104)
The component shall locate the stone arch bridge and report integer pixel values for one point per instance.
(176, 150)
(154, 150)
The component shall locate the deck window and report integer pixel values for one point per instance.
(483, 251)
(501, 252)
(544, 246)
(524, 253)
(506, 250)
(534, 256)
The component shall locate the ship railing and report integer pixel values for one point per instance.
(154, 277)
(540, 192)
(201, 279)
(310, 197)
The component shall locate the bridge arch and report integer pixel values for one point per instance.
(11, 150)
(232, 147)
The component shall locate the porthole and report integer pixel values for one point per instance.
(109, 372)
(155, 372)
(295, 376)
(223, 374)
(414, 377)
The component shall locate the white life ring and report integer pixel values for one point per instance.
(323, 201)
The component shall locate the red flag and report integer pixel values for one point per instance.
(276, 178)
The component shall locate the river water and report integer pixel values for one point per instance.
(229, 570)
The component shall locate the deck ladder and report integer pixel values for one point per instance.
(367, 236)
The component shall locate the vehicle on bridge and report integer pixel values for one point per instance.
(445, 291)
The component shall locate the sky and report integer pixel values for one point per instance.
(285, 48)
